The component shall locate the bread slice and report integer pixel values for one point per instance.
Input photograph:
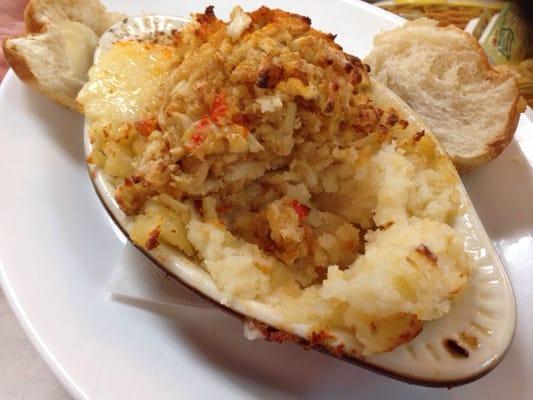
(444, 75)
(55, 62)
(57, 51)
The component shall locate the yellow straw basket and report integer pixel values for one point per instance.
(457, 13)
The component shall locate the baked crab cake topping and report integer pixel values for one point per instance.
(257, 148)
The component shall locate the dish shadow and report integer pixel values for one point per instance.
(287, 370)
(63, 126)
(292, 372)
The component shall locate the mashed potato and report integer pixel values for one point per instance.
(255, 147)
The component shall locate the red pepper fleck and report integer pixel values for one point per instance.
(300, 209)
(219, 107)
(198, 136)
(147, 126)
(217, 110)
(153, 239)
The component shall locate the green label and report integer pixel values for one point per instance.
(505, 42)
(508, 39)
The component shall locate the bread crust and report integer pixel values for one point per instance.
(31, 22)
(497, 145)
(499, 142)
(16, 61)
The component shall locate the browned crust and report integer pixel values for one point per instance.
(265, 15)
(426, 252)
(317, 340)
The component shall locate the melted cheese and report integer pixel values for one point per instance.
(127, 83)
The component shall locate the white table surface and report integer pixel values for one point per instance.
(23, 374)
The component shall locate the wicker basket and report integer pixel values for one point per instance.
(446, 12)
(456, 13)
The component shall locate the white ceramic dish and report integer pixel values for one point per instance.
(58, 248)
(464, 345)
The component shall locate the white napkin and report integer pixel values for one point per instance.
(136, 280)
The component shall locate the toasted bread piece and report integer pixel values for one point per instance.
(444, 75)
(55, 62)
(57, 51)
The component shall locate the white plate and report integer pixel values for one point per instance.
(58, 247)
